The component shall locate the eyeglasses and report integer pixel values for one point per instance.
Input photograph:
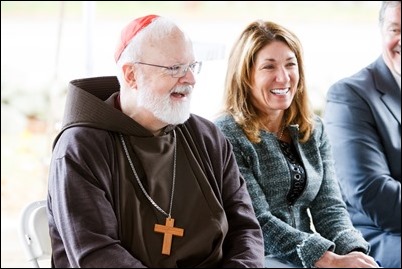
(178, 70)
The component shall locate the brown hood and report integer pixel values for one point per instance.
(90, 101)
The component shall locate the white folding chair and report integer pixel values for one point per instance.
(34, 233)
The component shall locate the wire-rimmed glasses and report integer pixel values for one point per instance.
(178, 70)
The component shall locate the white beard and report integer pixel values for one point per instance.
(163, 108)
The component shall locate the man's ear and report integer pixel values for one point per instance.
(129, 75)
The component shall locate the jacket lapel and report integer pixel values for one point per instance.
(386, 84)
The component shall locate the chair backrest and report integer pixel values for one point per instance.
(34, 232)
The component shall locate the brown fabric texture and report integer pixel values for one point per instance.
(98, 215)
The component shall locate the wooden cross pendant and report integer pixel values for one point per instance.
(169, 230)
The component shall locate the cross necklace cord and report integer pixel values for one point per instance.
(168, 229)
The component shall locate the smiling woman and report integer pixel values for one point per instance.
(291, 174)
(62, 40)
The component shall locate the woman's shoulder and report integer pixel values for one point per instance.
(227, 124)
(319, 134)
(318, 122)
(224, 119)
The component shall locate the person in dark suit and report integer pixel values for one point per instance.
(363, 120)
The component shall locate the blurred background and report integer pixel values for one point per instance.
(44, 45)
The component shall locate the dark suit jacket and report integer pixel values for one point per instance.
(363, 120)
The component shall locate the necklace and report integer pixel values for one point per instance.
(168, 229)
(281, 133)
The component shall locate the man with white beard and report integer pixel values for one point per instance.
(136, 180)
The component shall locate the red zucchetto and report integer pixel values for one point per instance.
(130, 31)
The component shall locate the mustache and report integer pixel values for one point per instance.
(182, 89)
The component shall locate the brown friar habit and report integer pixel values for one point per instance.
(100, 217)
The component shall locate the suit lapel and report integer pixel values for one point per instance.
(386, 84)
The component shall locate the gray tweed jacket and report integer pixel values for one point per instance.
(288, 230)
